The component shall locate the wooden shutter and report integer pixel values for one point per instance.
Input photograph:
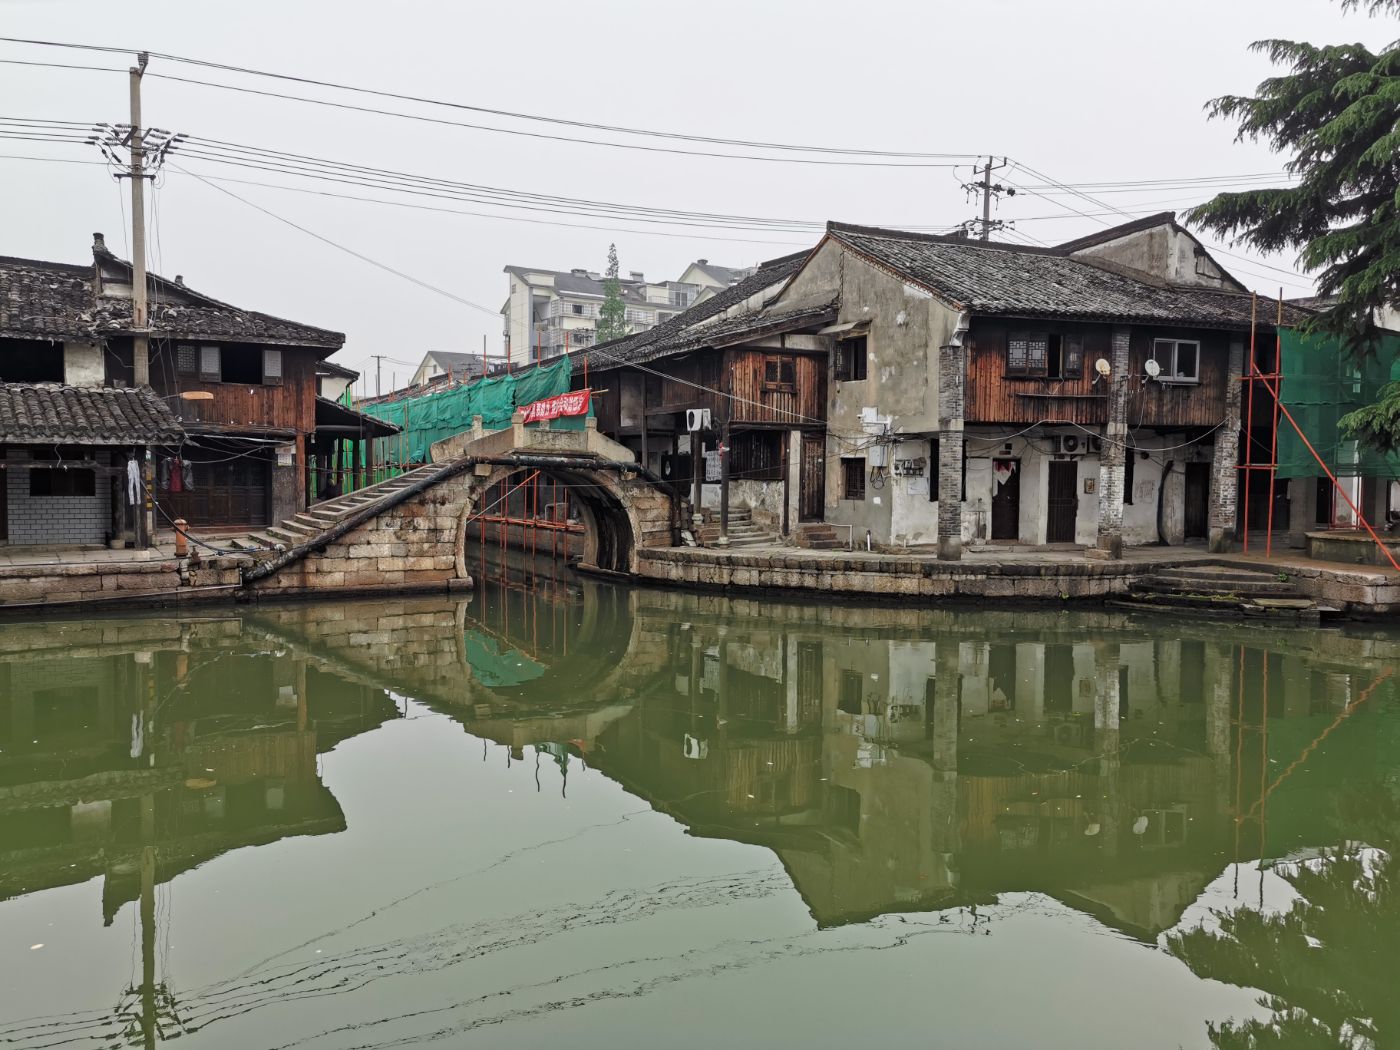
(1072, 356)
(272, 367)
(210, 363)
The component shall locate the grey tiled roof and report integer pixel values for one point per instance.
(55, 414)
(672, 336)
(723, 274)
(47, 300)
(459, 363)
(1021, 281)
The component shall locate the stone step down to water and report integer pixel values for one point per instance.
(1213, 590)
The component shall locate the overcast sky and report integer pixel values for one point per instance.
(1081, 90)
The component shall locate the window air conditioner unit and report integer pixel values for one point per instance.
(697, 419)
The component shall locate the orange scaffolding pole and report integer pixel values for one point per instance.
(1249, 417)
(1273, 429)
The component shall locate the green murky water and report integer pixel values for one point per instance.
(562, 812)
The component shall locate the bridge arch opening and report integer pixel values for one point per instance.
(601, 501)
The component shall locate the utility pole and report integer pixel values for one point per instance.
(141, 346)
(987, 189)
(378, 373)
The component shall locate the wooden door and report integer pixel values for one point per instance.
(1197, 500)
(1006, 500)
(811, 480)
(1061, 501)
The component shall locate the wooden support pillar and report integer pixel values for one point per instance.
(646, 443)
(723, 540)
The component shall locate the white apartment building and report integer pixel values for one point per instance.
(551, 312)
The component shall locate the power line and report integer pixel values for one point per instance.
(340, 247)
(890, 155)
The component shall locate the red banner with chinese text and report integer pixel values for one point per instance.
(574, 403)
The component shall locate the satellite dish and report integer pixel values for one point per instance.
(1102, 367)
(1152, 368)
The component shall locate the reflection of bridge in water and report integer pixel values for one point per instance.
(894, 760)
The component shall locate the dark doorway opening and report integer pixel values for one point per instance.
(1197, 500)
(811, 482)
(1006, 499)
(1061, 501)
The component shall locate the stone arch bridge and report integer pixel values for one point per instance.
(411, 532)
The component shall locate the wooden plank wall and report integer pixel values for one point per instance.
(802, 402)
(291, 406)
(995, 397)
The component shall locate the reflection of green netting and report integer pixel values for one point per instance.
(1321, 384)
(494, 666)
(444, 413)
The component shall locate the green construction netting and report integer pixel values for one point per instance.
(443, 413)
(1321, 384)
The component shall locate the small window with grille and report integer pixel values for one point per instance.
(853, 478)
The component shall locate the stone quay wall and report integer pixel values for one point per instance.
(412, 546)
(888, 576)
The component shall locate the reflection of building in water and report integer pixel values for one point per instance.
(221, 740)
(907, 767)
(141, 750)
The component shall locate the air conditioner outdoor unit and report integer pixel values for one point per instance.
(1067, 444)
(1096, 444)
(697, 419)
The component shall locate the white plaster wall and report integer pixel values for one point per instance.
(83, 365)
(764, 498)
(913, 519)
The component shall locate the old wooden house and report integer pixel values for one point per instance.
(980, 392)
(242, 384)
(727, 401)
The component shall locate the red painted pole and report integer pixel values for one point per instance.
(1273, 441)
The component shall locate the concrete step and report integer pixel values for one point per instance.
(298, 526)
(1215, 572)
(751, 541)
(1158, 584)
(255, 540)
(287, 536)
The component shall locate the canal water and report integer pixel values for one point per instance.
(558, 812)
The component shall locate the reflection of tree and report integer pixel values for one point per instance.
(1324, 965)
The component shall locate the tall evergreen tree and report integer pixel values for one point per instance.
(1337, 113)
(612, 315)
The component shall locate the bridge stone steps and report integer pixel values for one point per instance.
(318, 518)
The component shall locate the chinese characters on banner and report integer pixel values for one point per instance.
(574, 403)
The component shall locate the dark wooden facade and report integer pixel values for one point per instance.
(996, 395)
(747, 386)
(234, 466)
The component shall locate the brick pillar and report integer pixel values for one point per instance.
(1224, 477)
(1114, 454)
(952, 377)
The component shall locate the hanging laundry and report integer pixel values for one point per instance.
(1002, 469)
(177, 483)
(163, 478)
(133, 482)
(187, 471)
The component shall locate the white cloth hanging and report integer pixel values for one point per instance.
(133, 482)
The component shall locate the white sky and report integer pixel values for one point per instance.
(1082, 90)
